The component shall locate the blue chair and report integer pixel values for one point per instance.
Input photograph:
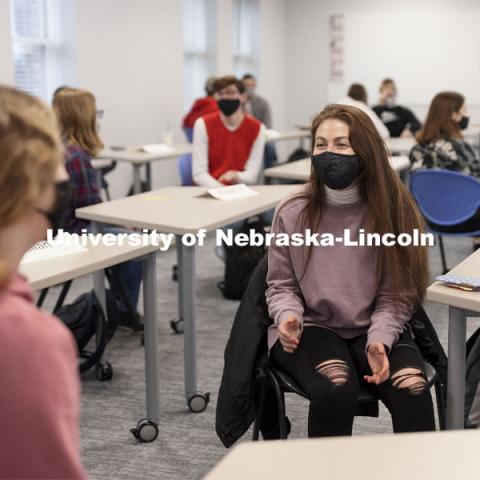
(189, 134)
(185, 169)
(446, 199)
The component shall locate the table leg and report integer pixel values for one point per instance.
(137, 183)
(148, 170)
(151, 335)
(457, 330)
(99, 281)
(197, 401)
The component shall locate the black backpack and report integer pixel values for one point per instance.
(85, 318)
(241, 261)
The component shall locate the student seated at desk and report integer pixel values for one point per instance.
(357, 97)
(340, 312)
(76, 113)
(441, 145)
(40, 392)
(227, 145)
(400, 121)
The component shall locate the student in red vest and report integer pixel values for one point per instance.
(227, 145)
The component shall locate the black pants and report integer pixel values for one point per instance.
(333, 405)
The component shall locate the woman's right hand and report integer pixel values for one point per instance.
(289, 333)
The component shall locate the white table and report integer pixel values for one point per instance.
(300, 169)
(400, 146)
(181, 210)
(413, 456)
(138, 158)
(461, 305)
(47, 273)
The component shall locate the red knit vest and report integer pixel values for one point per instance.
(229, 150)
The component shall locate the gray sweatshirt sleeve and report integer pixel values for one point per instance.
(283, 294)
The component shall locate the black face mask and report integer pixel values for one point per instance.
(63, 195)
(336, 170)
(228, 106)
(463, 123)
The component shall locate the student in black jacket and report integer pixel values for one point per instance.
(400, 121)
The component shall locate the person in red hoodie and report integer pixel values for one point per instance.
(227, 145)
(40, 393)
(202, 106)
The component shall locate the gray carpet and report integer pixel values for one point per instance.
(187, 446)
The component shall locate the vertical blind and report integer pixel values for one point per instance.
(30, 32)
(246, 40)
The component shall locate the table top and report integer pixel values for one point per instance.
(300, 169)
(439, 293)
(181, 210)
(133, 154)
(416, 456)
(97, 164)
(46, 273)
(275, 136)
(400, 145)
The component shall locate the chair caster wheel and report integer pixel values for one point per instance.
(198, 402)
(145, 431)
(177, 325)
(175, 273)
(103, 372)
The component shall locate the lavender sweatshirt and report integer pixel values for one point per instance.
(339, 289)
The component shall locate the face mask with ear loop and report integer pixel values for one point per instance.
(61, 204)
(336, 170)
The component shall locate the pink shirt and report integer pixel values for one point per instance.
(39, 392)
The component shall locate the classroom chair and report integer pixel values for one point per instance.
(446, 199)
(270, 375)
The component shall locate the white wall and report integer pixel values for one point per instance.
(129, 53)
(426, 46)
(6, 63)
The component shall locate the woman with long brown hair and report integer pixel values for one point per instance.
(340, 312)
(440, 141)
(40, 394)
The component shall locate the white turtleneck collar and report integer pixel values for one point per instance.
(342, 197)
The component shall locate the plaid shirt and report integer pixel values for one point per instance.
(83, 179)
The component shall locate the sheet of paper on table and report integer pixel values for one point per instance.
(157, 148)
(233, 192)
(46, 251)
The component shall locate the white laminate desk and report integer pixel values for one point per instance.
(413, 456)
(300, 169)
(461, 305)
(400, 146)
(46, 273)
(138, 158)
(181, 210)
(275, 136)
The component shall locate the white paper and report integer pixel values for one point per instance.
(158, 148)
(233, 192)
(45, 251)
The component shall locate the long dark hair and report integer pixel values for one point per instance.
(390, 207)
(439, 122)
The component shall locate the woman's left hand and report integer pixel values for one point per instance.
(229, 178)
(378, 361)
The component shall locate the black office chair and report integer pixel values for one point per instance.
(269, 375)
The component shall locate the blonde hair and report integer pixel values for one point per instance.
(77, 116)
(31, 152)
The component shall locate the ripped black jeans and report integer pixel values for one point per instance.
(329, 368)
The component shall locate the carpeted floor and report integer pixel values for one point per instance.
(187, 446)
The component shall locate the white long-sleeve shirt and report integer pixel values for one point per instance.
(200, 171)
(379, 125)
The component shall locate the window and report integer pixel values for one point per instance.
(198, 40)
(35, 46)
(246, 40)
